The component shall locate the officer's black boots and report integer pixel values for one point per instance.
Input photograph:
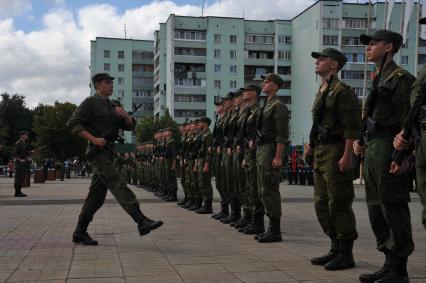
(224, 212)
(244, 221)
(273, 234)
(189, 203)
(322, 260)
(197, 204)
(19, 193)
(206, 208)
(146, 225)
(257, 226)
(80, 235)
(344, 258)
(372, 277)
(172, 197)
(397, 272)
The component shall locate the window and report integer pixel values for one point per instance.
(120, 67)
(233, 69)
(120, 54)
(404, 60)
(356, 23)
(233, 54)
(142, 93)
(284, 71)
(233, 84)
(284, 55)
(217, 83)
(330, 40)
(261, 39)
(190, 113)
(354, 75)
(233, 39)
(217, 53)
(217, 38)
(351, 41)
(355, 57)
(330, 23)
(190, 35)
(192, 82)
(422, 59)
(107, 67)
(190, 98)
(120, 93)
(120, 81)
(217, 68)
(107, 54)
(190, 51)
(286, 85)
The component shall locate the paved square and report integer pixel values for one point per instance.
(36, 246)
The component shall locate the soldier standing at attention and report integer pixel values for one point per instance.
(386, 186)
(272, 135)
(20, 153)
(402, 144)
(251, 95)
(93, 120)
(335, 132)
(217, 148)
(170, 156)
(203, 164)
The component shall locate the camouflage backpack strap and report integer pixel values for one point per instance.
(399, 72)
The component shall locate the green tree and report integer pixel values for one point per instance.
(53, 134)
(149, 125)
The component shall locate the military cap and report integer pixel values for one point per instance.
(252, 87)
(168, 129)
(238, 92)
(229, 96)
(422, 21)
(273, 78)
(383, 35)
(218, 100)
(333, 54)
(205, 120)
(101, 77)
(23, 132)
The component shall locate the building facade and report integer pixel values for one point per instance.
(198, 59)
(131, 63)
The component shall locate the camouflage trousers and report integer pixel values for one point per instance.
(421, 174)
(254, 202)
(107, 177)
(333, 193)
(387, 200)
(205, 181)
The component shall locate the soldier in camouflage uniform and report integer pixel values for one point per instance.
(218, 140)
(238, 156)
(182, 149)
(386, 184)
(334, 190)
(251, 95)
(170, 156)
(20, 153)
(272, 135)
(92, 120)
(204, 166)
(189, 162)
(194, 175)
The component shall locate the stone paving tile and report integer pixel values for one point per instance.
(248, 267)
(158, 278)
(97, 280)
(95, 268)
(264, 276)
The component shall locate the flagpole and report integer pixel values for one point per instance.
(416, 52)
(385, 15)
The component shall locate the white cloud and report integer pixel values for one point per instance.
(52, 63)
(14, 7)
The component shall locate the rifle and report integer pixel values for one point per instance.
(418, 107)
(316, 126)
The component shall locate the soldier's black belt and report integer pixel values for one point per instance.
(329, 140)
(266, 141)
(387, 132)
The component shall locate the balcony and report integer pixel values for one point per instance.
(142, 74)
(258, 62)
(190, 59)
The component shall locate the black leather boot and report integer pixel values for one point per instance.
(274, 232)
(224, 212)
(244, 221)
(235, 213)
(146, 225)
(257, 226)
(372, 277)
(189, 203)
(80, 235)
(397, 272)
(19, 193)
(328, 256)
(172, 197)
(182, 202)
(344, 258)
(197, 204)
(206, 208)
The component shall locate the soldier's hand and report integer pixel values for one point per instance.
(194, 169)
(219, 150)
(206, 168)
(399, 170)
(277, 163)
(101, 142)
(229, 151)
(238, 149)
(357, 148)
(243, 164)
(400, 143)
(345, 164)
(210, 149)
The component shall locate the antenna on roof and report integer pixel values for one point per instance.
(125, 31)
(202, 9)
